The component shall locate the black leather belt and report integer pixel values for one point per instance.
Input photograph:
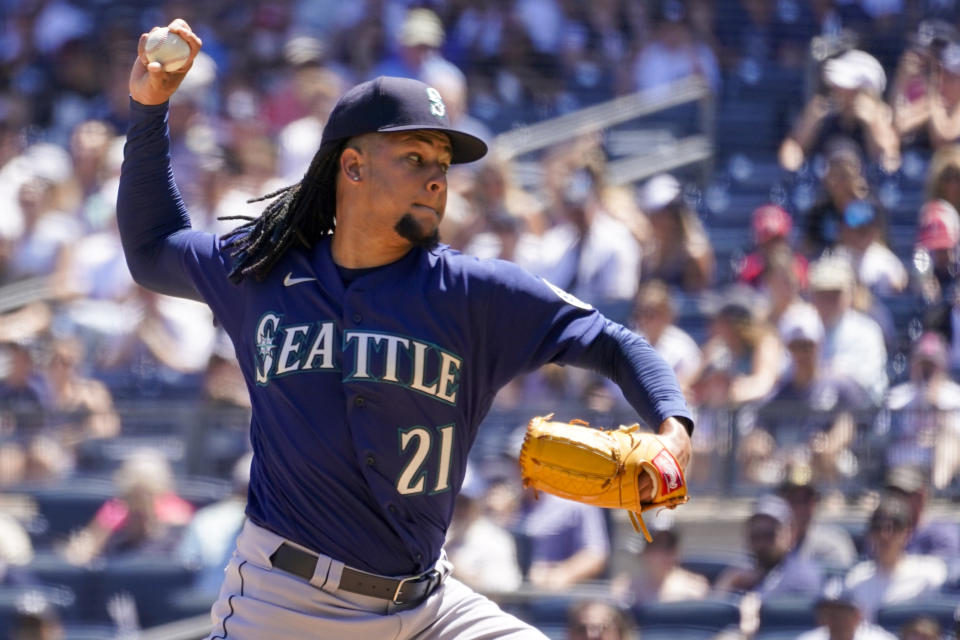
(406, 593)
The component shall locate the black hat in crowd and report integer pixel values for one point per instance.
(387, 104)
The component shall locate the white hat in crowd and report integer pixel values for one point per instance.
(658, 192)
(855, 69)
(801, 322)
(832, 273)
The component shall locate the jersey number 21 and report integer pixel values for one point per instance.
(418, 443)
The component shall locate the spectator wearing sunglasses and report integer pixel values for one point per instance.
(892, 575)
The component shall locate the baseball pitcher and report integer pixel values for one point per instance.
(371, 354)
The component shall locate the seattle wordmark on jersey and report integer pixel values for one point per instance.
(373, 356)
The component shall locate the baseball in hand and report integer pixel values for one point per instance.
(167, 48)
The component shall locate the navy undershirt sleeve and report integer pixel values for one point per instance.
(647, 381)
(152, 219)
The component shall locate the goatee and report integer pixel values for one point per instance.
(409, 229)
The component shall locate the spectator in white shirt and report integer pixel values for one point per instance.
(840, 618)
(589, 253)
(853, 344)
(892, 575)
(483, 553)
(924, 414)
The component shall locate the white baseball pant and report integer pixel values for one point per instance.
(257, 601)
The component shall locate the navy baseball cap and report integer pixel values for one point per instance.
(387, 104)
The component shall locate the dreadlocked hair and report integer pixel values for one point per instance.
(305, 211)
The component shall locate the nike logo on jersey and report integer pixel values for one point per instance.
(289, 281)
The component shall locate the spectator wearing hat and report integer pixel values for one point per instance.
(844, 186)
(655, 575)
(316, 88)
(771, 226)
(852, 109)
(827, 545)
(811, 416)
(928, 536)
(839, 617)
(892, 575)
(937, 255)
(417, 51)
(860, 236)
(925, 414)
(853, 344)
(777, 569)
(48, 231)
(680, 253)
(653, 316)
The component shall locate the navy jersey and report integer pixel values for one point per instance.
(367, 391)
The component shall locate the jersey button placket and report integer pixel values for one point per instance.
(357, 318)
(359, 401)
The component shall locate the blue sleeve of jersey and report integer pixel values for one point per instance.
(163, 253)
(529, 323)
(647, 381)
(533, 323)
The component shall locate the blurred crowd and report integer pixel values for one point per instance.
(817, 339)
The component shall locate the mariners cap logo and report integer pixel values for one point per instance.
(387, 104)
(437, 107)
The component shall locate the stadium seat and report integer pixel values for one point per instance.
(687, 616)
(712, 564)
(784, 614)
(105, 455)
(941, 607)
(89, 632)
(65, 506)
(201, 491)
(152, 581)
(776, 634)
(85, 583)
(670, 633)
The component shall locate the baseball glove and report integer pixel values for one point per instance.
(601, 467)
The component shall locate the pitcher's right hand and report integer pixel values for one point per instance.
(149, 83)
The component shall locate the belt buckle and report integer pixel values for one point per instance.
(431, 575)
